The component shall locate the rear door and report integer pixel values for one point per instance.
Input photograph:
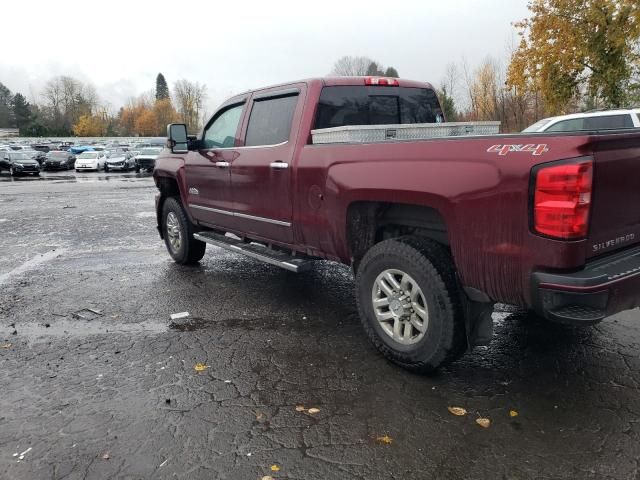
(208, 170)
(261, 175)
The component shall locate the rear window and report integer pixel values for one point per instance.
(605, 122)
(270, 121)
(371, 105)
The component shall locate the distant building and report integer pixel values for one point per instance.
(9, 132)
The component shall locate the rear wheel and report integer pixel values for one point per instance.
(409, 303)
(106, 167)
(178, 234)
(137, 169)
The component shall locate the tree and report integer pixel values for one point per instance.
(571, 46)
(146, 124)
(190, 97)
(6, 109)
(352, 66)
(374, 70)
(448, 105)
(21, 111)
(90, 126)
(165, 114)
(391, 72)
(162, 89)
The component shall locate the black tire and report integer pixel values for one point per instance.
(37, 174)
(137, 169)
(106, 168)
(431, 266)
(190, 250)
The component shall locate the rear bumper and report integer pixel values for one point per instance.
(603, 288)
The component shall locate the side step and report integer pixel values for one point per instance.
(259, 252)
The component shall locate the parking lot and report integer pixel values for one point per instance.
(99, 382)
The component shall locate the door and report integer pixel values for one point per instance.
(261, 175)
(208, 170)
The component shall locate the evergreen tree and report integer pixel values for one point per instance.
(21, 111)
(6, 110)
(162, 89)
(391, 72)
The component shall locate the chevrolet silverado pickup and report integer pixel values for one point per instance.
(437, 229)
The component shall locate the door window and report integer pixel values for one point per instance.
(221, 133)
(270, 121)
(572, 125)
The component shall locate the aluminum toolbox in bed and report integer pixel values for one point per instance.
(415, 131)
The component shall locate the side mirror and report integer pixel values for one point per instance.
(177, 139)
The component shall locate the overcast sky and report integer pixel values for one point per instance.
(120, 46)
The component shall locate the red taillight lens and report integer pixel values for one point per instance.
(382, 81)
(562, 200)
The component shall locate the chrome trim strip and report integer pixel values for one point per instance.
(241, 215)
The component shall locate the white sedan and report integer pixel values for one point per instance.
(91, 161)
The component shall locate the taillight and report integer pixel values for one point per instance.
(384, 81)
(562, 200)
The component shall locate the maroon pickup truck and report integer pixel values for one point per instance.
(437, 230)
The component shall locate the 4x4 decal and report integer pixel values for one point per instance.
(503, 150)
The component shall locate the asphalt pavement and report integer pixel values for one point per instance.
(270, 375)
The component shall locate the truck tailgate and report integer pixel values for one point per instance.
(615, 215)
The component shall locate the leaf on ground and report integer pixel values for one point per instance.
(313, 410)
(259, 416)
(5, 345)
(200, 367)
(385, 439)
(106, 456)
(483, 422)
(300, 408)
(458, 411)
(275, 468)
(513, 413)
(267, 477)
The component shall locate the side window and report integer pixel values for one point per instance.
(222, 132)
(567, 126)
(270, 121)
(609, 122)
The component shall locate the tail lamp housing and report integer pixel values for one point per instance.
(561, 199)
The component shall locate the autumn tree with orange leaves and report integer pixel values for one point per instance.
(573, 48)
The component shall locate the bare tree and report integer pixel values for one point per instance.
(190, 98)
(352, 66)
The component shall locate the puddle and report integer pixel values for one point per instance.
(190, 324)
(80, 328)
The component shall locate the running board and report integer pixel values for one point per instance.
(259, 252)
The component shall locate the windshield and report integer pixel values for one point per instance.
(88, 155)
(150, 151)
(58, 155)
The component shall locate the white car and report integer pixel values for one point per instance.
(146, 159)
(91, 161)
(601, 120)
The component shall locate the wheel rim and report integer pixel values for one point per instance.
(400, 307)
(174, 233)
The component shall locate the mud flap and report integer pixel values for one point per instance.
(478, 323)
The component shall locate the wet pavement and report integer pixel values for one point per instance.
(113, 393)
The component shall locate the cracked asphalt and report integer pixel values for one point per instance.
(115, 394)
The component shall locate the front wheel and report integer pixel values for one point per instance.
(178, 234)
(409, 303)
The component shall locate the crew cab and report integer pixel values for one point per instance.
(437, 230)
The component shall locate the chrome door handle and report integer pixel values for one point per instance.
(222, 164)
(279, 164)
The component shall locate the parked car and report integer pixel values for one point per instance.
(588, 121)
(437, 230)
(119, 160)
(57, 160)
(39, 156)
(90, 161)
(146, 159)
(19, 163)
